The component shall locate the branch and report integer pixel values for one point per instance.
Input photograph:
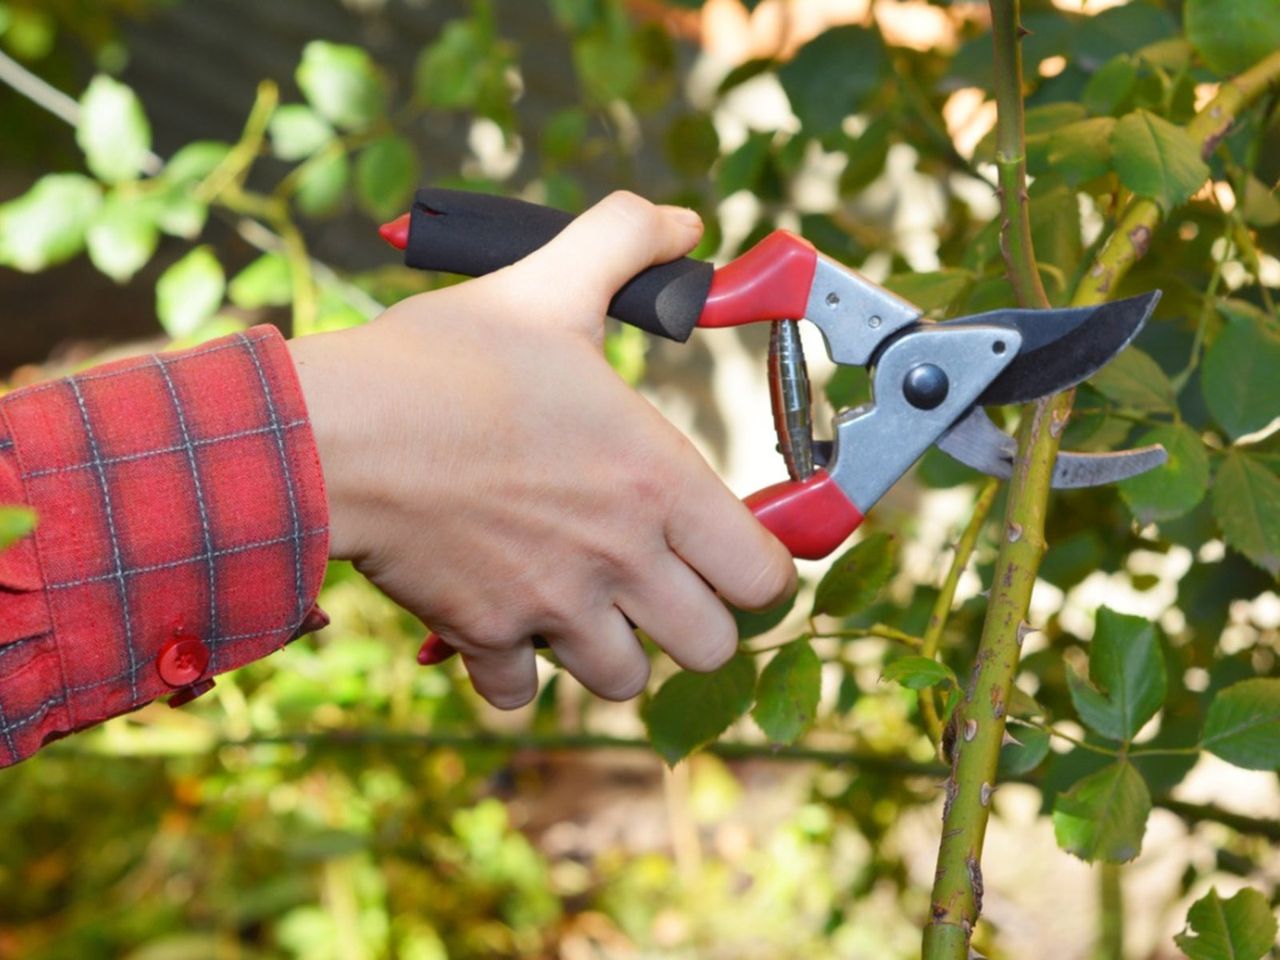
(956, 902)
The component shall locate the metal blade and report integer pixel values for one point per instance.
(978, 443)
(1061, 348)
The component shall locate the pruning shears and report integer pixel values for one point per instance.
(930, 381)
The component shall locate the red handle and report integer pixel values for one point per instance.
(811, 517)
(771, 281)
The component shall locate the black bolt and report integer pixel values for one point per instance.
(925, 386)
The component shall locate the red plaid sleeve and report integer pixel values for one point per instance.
(182, 532)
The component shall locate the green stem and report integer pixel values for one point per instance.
(956, 900)
(1074, 741)
(946, 596)
(1110, 944)
(234, 168)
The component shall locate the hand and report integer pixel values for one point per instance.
(488, 470)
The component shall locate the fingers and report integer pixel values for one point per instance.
(682, 616)
(605, 656)
(506, 676)
(605, 247)
(715, 533)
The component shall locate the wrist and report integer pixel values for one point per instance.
(325, 365)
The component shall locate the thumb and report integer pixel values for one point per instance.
(622, 235)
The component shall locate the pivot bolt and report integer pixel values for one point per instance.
(925, 386)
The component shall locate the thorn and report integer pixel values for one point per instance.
(970, 730)
(984, 794)
(1024, 629)
(1023, 31)
(1015, 531)
(1008, 739)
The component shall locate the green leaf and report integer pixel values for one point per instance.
(15, 523)
(1132, 379)
(1109, 88)
(123, 237)
(752, 623)
(297, 132)
(917, 673)
(47, 224)
(1240, 928)
(264, 283)
(340, 81)
(1173, 489)
(1157, 159)
(322, 184)
(832, 75)
(195, 161)
(453, 72)
(692, 709)
(1127, 673)
(1246, 504)
(1243, 725)
(1104, 816)
(190, 292)
(934, 291)
(1233, 35)
(855, 579)
(691, 144)
(788, 691)
(1240, 382)
(386, 175)
(113, 131)
(1026, 754)
(1082, 151)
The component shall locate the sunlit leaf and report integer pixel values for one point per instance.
(341, 82)
(1243, 725)
(122, 237)
(1242, 927)
(1157, 159)
(1082, 151)
(48, 223)
(854, 580)
(788, 691)
(322, 185)
(264, 283)
(387, 172)
(190, 292)
(15, 523)
(918, 673)
(297, 131)
(1240, 382)
(1172, 489)
(113, 130)
(1126, 684)
(1104, 816)
(691, 709)
(1246, 504)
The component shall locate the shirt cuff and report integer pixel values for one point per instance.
(182, 532)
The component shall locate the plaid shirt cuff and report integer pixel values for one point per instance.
(182, 532)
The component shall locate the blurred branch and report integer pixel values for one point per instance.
(947, 595)
(44, 95)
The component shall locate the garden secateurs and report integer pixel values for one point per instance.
(930, 381)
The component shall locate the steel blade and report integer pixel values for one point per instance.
(978, 443)
(1061, 348)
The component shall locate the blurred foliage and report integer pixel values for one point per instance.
(340, 802)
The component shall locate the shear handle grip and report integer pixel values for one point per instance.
(811, 517)
(473, 234)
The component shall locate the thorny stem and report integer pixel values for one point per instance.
(956, 902)
(946, 596)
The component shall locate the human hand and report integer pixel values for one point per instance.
(488, 470)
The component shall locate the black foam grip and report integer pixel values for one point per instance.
(474, 234)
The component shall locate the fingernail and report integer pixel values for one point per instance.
(434, 650)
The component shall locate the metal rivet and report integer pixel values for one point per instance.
(833, 299)
(873, 323)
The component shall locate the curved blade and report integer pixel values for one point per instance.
(1061, 348)
(977, 442)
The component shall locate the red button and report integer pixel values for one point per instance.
(182, 660)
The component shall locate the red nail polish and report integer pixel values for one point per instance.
(434, 650)
(396, 232)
